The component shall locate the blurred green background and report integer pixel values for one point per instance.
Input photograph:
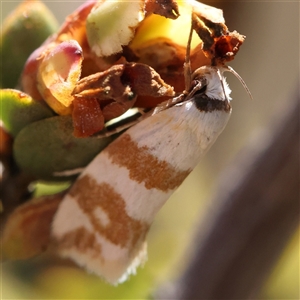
(269, 63)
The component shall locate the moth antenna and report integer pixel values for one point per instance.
(220, 75)
(187, 64)
(231, 70)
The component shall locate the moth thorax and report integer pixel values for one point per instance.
(217, 87)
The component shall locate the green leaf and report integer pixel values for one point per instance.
(48, 147)
(17, 110)
(22, 32)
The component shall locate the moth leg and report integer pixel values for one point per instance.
(123, 124)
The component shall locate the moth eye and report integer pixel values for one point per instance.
(201, 91)
(198, 86)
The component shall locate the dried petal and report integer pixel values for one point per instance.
(213, 14)
(87, 117)
(116, 90)
(228, 45)
(19, 109)
(58, 74)
(27, 230)
(122, 82)
(110, 26)
(105, 85)
(113, 109)
(219, 45)
(165, 8)
(145, 81)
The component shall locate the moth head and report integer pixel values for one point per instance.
(210, 81)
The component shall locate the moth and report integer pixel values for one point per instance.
(103, 220)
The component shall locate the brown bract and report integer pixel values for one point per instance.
(227, 46)
(219, 44)
(87, 117)
(106, 95)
